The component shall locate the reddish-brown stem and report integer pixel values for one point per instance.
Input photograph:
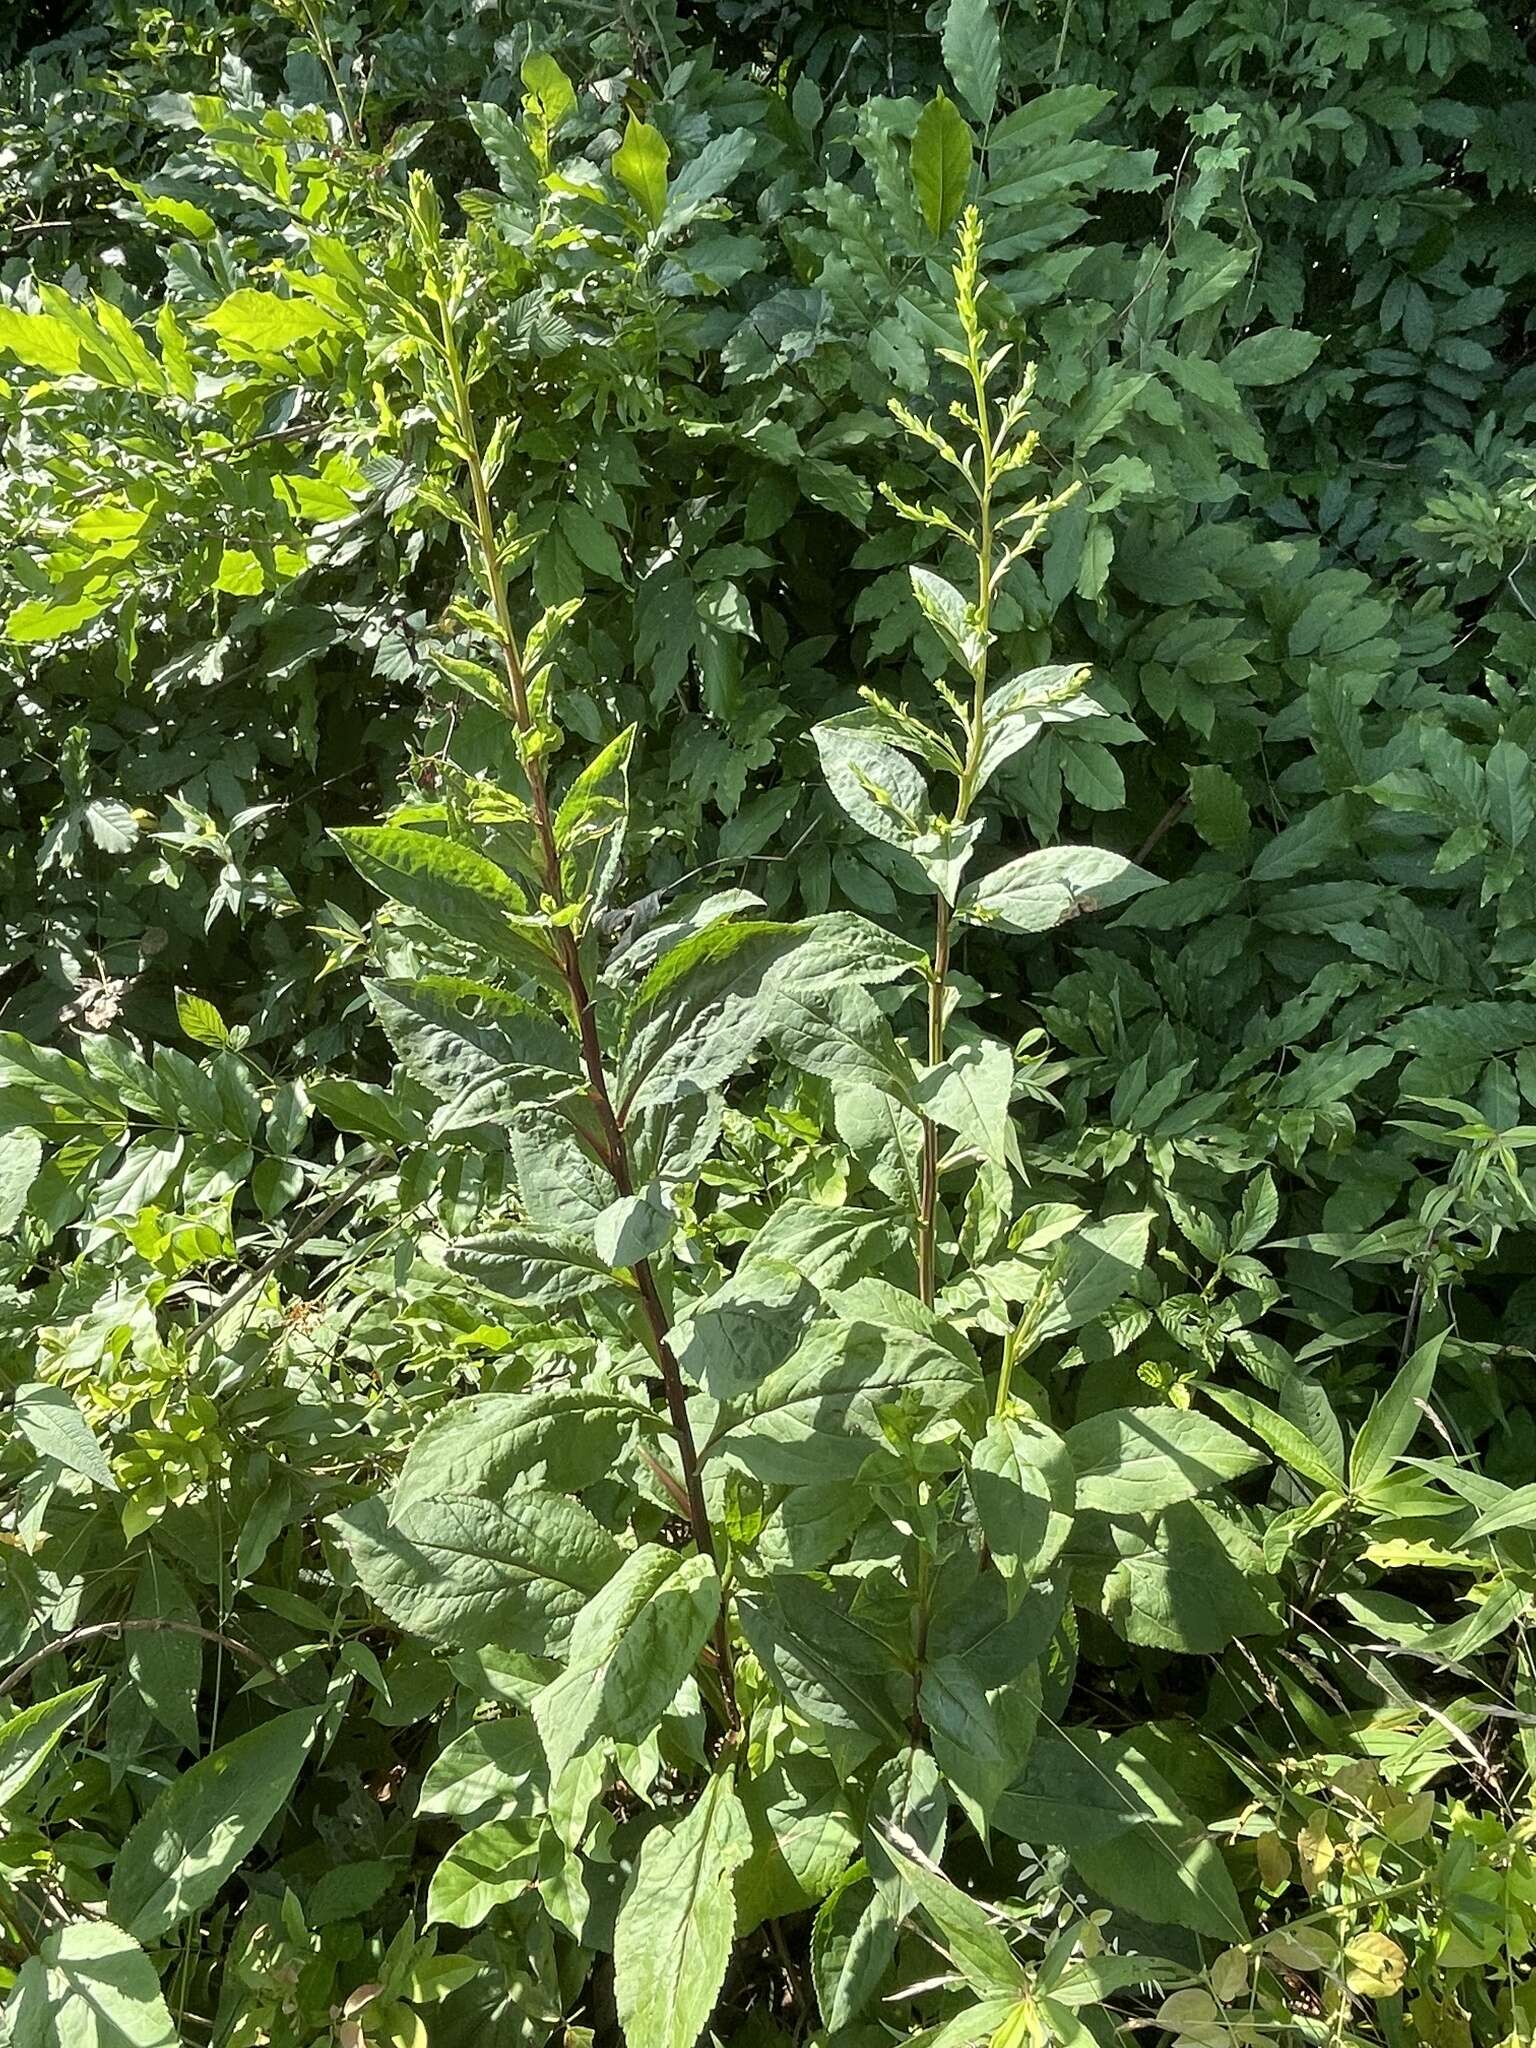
(615, 1146)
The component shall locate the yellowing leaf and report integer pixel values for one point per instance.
(1274, 1860)
(258, 323)
(640, 165)
(240, 573)
(1374, 1966)
(1229, 1975)
(40, 341)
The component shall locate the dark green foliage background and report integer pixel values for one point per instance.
(1278, 266)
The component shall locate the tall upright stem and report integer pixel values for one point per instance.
(938, 989)
(615, 1145)
(928, 1191)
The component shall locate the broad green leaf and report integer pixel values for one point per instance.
(979, 1737)
(704, 1009)
(29, 1738)
(969, 1094)
(908, 1798)
(561, 1438)
(1507, 775)
(1274, 357)
(205, 1823)
(640, 165)
(90, 1985)
(41, 619)
(950, 614)
(200, 1020)
(631, 1648)
(633, 1228)
(1124, 1831)
(880, 789)
(166, 1664)
(1395, 1418)
(256, 323)
(817, 1417)
(1024, 1486)
(1134, 1461)
(493, 1771)
(1219, 807)
(1040, 890)
(836, 1672)
(492, 1863)
(1063, 1285)
(1018, 711)
(941, 163)
(458, 889)
(481, 1052)
(40, 340)
(546, 86)
(803, 1835)
(972, 54)
(51, 1423)
(841, 1035)
(886, 1138)
(1193, 1584)
(21, 1154)
(731, 1341)
(467, 1573)
(673, 1937)
(535, 1268)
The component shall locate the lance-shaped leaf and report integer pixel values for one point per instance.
(969, 1935)
(29, 1738)
(973, 54)
(853, 1944)
(1018, 711)
(640, 165)
(51, 1423)
(456, 888)
(1135, 1461)
(205, 1823)
(1040, 890)
(1124, 1830)
(1390, 1427)
(632, 1646)
(591, 823)
(941, 163)
(494, 1862)
(673, 1937)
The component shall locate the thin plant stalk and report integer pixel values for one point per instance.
(488, 563)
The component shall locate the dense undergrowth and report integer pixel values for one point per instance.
(768, 869)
